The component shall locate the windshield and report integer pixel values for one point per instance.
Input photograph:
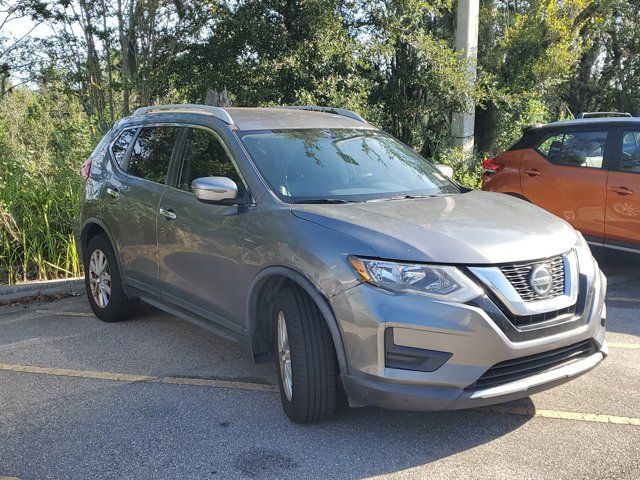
(315, 165)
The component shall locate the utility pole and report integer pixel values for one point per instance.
(462, 124)
(4, 75)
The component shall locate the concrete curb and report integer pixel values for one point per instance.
(11, 293)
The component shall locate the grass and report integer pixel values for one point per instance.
(44, 138)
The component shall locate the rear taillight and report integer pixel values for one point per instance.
(85, 169)
(491, 166)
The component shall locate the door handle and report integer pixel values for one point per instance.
(113, 192)
(622, 190)
(168, 214)
(532, 172)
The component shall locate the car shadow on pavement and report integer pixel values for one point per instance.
(424, 437)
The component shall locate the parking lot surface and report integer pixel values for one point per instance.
(156, 397)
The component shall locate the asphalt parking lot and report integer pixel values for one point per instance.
(156, 397)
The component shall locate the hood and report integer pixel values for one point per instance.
(471, 228)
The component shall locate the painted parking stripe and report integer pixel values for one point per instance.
(127, 377)
(630, 346)
(581, 417)
(64, 314)
(264, 387)
(623, 299)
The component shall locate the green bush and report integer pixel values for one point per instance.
(44, 138)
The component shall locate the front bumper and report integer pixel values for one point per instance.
(364, 391)
(468, 332)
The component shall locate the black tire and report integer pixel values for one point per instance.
(314, 368)
(120, 306)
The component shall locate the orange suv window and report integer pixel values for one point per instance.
(575, 149)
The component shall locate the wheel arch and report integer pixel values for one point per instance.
(92, 227)
(262, 291)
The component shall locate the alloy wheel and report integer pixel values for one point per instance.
(284, 356)
(100, 278)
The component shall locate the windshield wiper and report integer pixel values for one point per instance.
(403, 197)
(325, 201)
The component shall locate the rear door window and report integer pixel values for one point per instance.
(631, 151)
(152, 152)
(575, 149)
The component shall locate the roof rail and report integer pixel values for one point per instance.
(336, 111)
(529, 128)
(217, 112)
(602, 114)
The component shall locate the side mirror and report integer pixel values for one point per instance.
(446, 170)
(214, 189)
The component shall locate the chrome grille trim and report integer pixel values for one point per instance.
(495, 280)
(518, 276)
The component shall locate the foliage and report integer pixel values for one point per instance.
(527, 56)
(44, 137)
(279, 52)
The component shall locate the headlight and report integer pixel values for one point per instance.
(586, 262)
(436, 281)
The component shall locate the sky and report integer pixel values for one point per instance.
(14, 30)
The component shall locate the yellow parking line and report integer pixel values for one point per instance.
(624, 299)
(66, 372)
(581, 417)
(202, 382)
(631, 346)
(64, 314)
(126, 377)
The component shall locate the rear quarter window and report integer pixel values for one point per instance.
(120, 146)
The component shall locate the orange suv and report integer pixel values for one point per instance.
(586, 171)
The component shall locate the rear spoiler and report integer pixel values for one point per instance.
(529, 128)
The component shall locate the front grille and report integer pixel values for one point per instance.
(529, 320)
(518, 368)
(518, 276)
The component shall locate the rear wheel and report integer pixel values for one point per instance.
(306, 360)
(103, 282)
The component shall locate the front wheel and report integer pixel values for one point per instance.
(103, 282)
(306, 359)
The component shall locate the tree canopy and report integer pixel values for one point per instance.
(391, 60)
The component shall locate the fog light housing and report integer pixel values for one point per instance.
(411, 358)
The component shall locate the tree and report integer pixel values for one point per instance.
(526, 56)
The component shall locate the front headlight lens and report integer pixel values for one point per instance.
(436, 281)
(586, 262)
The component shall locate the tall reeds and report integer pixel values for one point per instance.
(44, 138)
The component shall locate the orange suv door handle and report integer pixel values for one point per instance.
(532, 172)
(622, 190)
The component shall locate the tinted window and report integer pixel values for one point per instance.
(341, 164)
(204, 156)
(575, 149)
(152, 153)
(119, 147)
(631, 152)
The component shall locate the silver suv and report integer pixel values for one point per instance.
(324, 244)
